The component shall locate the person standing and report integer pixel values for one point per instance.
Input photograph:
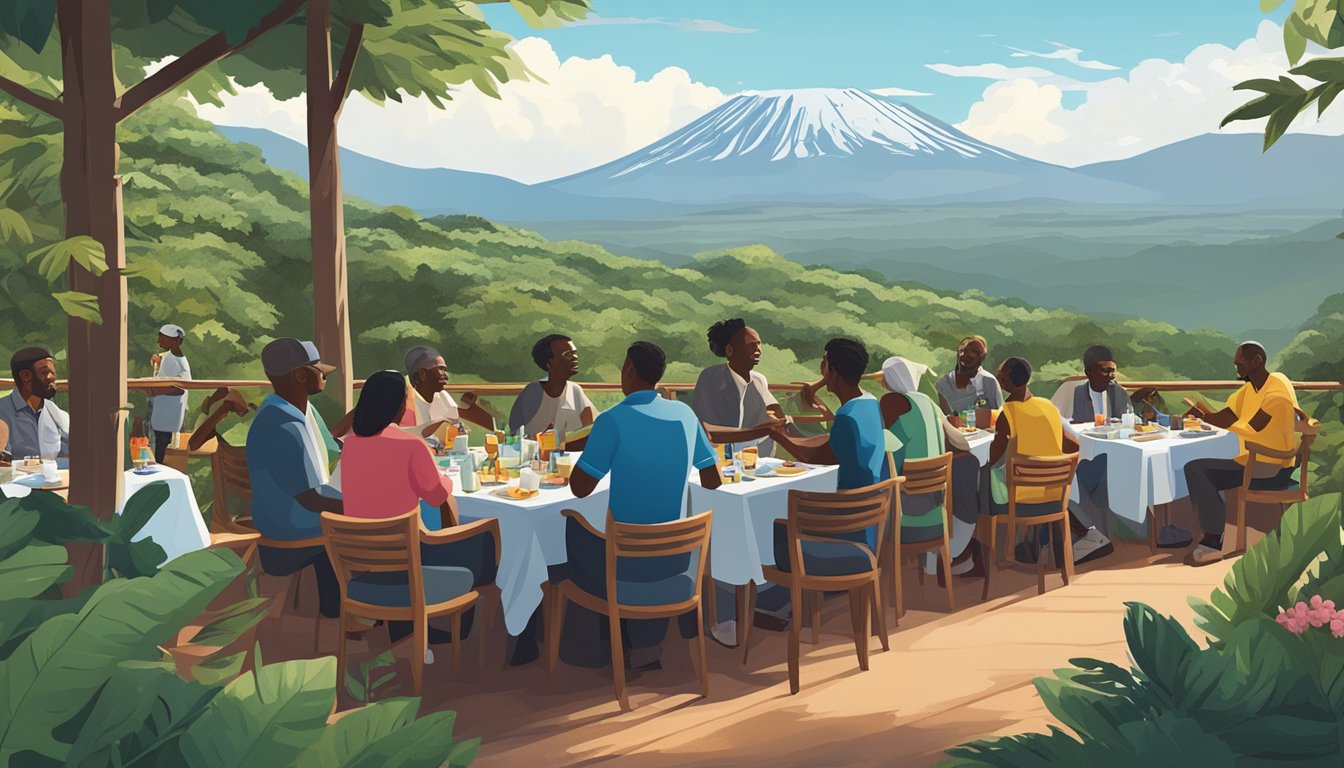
(37, 426)
(969, 385)
(168, 405)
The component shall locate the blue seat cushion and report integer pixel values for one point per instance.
(392, 590)
(837, 557)
(669, 590)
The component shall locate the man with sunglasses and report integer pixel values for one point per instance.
(288, 462)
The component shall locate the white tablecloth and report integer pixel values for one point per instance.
(532, 534)
(742, 537)
(1142, 475)
(178, 526)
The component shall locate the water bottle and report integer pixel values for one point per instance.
(1130, 418)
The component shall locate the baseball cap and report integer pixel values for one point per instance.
(173, 331)
(285, 354)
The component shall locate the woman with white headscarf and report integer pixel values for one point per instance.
(922, 431)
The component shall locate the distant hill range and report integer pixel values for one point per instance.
(845, 147)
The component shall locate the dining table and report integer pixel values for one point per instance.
(177, 526)
(1145, 474)
(532, 533)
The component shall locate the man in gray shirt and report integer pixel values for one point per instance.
(733, 401)
(37, 427)
(969, 385)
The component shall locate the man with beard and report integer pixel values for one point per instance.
(969, 385)
(288, 464)
(1263, 411)
(555, 401)
(37, 427)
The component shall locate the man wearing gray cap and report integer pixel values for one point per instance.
(168, 405)
(288, 464)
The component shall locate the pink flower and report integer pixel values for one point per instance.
(1337, 627)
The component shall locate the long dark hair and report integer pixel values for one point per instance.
(380, 403)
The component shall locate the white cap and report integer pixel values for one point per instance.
(173, 331)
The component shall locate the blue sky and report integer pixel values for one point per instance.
(766, 44)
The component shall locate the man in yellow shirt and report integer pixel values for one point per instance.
(1264, 412)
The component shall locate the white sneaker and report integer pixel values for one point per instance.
(429, 655)
(1091, 546)
(725, 633)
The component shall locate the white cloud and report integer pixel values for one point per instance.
(580, 113)
(898, 92)
(1156, 103)
(1064, 53)
(683, 25)
(995, 71)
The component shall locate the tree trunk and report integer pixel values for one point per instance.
(331, 307)
(91, 190)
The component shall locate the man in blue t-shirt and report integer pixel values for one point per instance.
(288, 468)
(649, 445)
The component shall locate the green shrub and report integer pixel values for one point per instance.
(1256, 694)
(85, 681)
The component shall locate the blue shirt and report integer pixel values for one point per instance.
(283, 462)
(858, 443)
(649, 444)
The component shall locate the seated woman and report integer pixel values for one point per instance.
(388, 472)
(922, 431)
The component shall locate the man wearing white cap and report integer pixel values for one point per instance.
(168, 405)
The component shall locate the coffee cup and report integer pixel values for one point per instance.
(49, 471)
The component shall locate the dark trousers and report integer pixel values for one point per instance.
(285, 562)
(587, 555)
(1206, 478)
(477, 555)
(161, 442)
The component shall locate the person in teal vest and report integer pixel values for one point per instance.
(917, 430)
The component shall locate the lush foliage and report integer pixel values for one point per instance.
(1282, 100)
(66, 665)
(1264, 691)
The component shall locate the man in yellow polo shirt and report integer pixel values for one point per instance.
(1263, 411)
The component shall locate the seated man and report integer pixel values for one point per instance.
(287, 463)
(969, 385)
(733, 400)
(430, 406)
(649, 445)
(555, 401)
(856, 442)
(37, 426)
(1263, 411)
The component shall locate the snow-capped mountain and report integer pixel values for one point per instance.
(838, 145)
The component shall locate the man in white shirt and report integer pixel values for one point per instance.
(733, 400)
(556, 401)
(431, 407)
(37, 427)
(168, 405)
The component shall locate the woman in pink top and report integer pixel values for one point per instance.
(386, 471)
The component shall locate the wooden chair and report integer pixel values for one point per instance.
(628, 540)
(1307, 428)
(827, 553)
(1046, 472)
(922, 476)
(377, 563)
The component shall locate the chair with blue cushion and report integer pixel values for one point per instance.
(631, 551)
(1053, 474)
(928, 531)
(828, 550)
(377, 562)
(1267, 492)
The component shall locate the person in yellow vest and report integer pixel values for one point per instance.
(1263, 411)
(1027, 426)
